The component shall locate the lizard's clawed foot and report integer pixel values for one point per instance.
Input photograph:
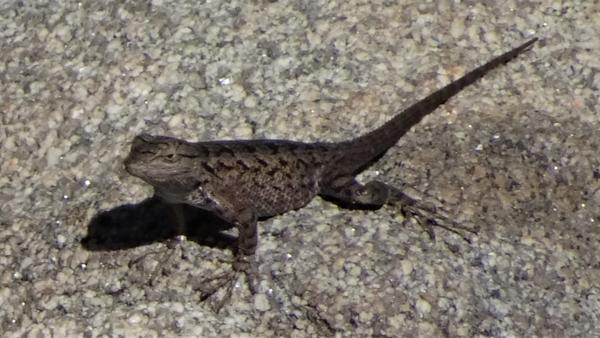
(210, 286)
(166, 255)
(429, 216)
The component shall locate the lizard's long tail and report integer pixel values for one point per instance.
(372, 145)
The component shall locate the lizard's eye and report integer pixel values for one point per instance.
(171, 156)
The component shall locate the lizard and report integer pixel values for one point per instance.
(242, 181)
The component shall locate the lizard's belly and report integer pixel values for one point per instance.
(278, 197)
(266, 206)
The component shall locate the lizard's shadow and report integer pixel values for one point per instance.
(131, 225)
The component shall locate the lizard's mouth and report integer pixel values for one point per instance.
(133, 167)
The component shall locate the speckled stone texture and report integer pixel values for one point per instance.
(83, 252)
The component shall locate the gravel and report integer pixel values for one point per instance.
(85, 253)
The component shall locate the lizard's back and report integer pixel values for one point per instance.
(274, 176)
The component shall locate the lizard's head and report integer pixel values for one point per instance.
(164, 162)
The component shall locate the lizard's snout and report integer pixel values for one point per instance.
(137, 146)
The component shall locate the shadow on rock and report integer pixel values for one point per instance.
(150, 221)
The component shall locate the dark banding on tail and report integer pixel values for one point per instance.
(360, 152)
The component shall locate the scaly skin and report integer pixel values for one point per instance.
(243, 180)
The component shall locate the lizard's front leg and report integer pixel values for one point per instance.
(242, 215)
(245, 256)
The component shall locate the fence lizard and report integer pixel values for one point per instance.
(243, 180)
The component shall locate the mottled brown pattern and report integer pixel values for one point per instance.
(241, 181)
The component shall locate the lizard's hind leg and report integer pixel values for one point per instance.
(349, 193)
